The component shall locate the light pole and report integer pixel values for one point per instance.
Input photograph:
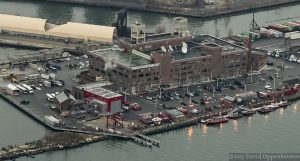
(125, 95)
(155, 103)
(251, 74)
(274, 84)
(187, 83)
(159, 87)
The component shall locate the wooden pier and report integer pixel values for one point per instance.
(141, 141)
(151, 140)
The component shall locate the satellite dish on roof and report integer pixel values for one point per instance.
(184, 44)
(163, 49)
(171, 48)
(184, 49)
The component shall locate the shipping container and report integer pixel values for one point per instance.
(295, 36)
(33, 76)
(288, 34)
(276, 33)
(294, 26)
(278, 27)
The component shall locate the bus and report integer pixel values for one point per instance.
(28, 88)
(49, 97)
(24, 90)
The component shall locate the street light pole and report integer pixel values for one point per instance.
(187, 83)
(155, 101)
(251, 73)
(160, 88)
(125, 95)
(274, 85)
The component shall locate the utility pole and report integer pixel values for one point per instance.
(187, 82)
(251, 74)
(155, 103)
(125, 95)
(274, 84)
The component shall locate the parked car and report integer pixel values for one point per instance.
(25, 102)
(268, 87)
(135, 106)
(183, 103)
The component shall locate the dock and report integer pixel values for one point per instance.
(141, 141)
(151, 140)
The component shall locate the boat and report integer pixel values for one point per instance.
(235, 115)
(284, 104)
(203, 121)
(217, 120)
(248, 112)
(265, 110)
(273, 106)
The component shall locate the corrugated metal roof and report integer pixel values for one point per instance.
(68, 30)
(84, 31)
(62, 97)
(22, 24)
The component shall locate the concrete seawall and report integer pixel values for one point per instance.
(188, 9)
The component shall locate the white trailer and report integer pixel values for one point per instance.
(28, 88)
(51, 120)
(23, 89)
(295, 36)
(49, 97)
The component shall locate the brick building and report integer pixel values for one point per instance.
(162, 60)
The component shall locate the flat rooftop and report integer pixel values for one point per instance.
(191, 53)
(97, 89)
(152, 37)
(118, 56)
(215, 41)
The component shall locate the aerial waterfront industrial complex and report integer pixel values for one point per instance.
(125, 82)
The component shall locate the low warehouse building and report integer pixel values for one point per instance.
(64, 100)
(22, 24)
(111, 102)
(16, 25)
(84, 32)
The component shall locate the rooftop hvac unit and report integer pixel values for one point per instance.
(171, 48)
(184, 49)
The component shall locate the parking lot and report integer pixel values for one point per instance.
(38, 102)
(206, 96)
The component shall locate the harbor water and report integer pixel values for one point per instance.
(276, 132)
